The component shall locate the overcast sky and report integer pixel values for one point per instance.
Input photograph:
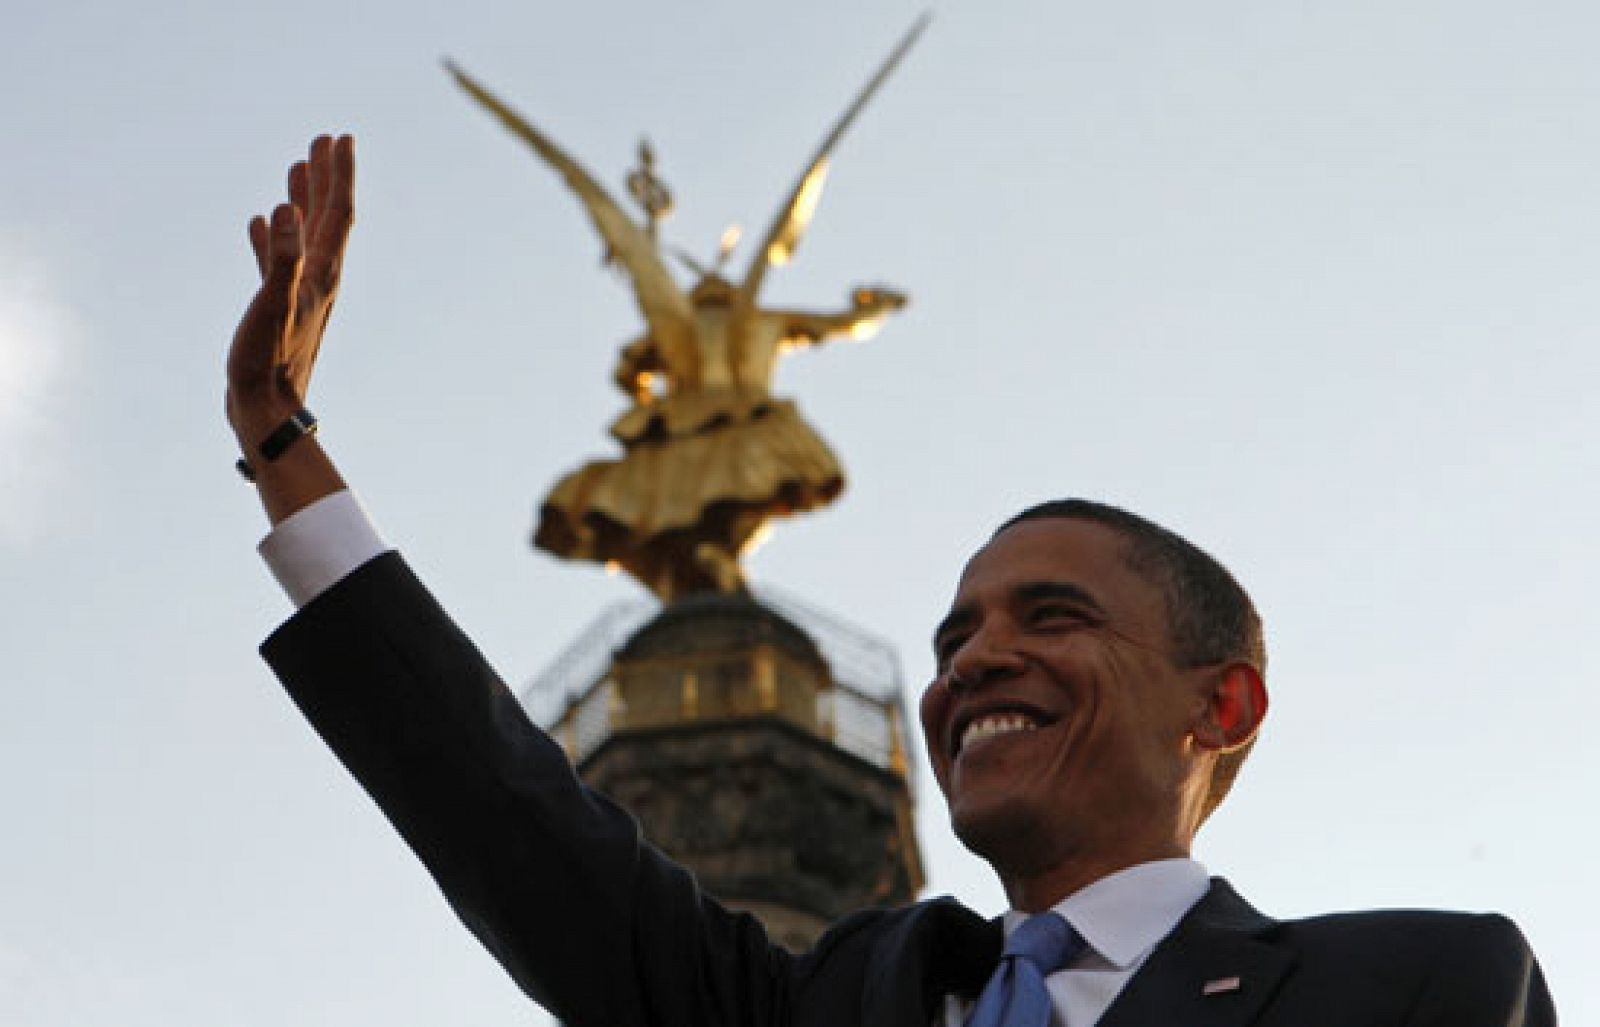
(1312, 284)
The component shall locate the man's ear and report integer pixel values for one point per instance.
(1234, 709)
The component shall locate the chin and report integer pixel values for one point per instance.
(1006, 830)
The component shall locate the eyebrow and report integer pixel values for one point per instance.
(1030, 591)
(1060, 590)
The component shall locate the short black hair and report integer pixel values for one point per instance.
(1210, 617)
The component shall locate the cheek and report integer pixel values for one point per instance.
(935, 703)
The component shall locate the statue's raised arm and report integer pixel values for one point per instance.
(666, 309)
(795, 215)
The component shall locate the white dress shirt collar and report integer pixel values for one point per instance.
(1123, 916)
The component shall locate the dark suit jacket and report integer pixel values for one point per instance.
(604, 930)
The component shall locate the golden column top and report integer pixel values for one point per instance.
(710, 456)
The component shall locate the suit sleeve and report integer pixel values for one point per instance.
(1485, 976)
(554, 879)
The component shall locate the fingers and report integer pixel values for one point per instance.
(300, 186)
(342, 186)
(260, 341)
(285, 246)
(260, 236)
(319, 172)
(278, 246)
(298, 250)
(331, 176)
(284, 241)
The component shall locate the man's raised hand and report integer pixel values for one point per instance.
(300, 251)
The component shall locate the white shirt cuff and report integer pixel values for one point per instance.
(314, 549)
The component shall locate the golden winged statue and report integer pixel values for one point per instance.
(710, 456)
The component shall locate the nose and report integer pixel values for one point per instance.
(987, 655)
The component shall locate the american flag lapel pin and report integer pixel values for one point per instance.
(1221, 986)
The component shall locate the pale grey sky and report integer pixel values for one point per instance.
(1313, 284)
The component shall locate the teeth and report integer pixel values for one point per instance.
(996, 724)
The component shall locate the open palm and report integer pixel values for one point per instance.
(300, 252)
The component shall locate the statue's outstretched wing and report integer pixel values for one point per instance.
(793, 217)
(665, 306)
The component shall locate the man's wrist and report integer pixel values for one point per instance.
(302, 472)
(298, 478)
(293, 428)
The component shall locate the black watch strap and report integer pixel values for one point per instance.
(298, 424)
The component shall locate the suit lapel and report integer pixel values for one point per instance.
(1213, 970)
(943, 947)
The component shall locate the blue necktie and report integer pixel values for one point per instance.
(1016, 996)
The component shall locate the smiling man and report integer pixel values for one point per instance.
(1074, 734)
(1099, 682)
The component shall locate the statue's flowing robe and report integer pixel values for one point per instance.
(689, 461)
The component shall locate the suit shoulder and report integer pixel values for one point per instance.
(1429, 922)
(902, 958)
(866, 927)
(1417, 936)
(1443, 967)
(936, 927)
